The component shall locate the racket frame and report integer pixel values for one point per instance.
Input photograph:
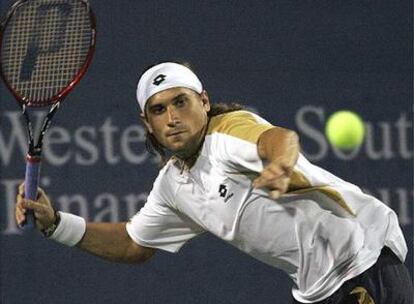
(33, 157)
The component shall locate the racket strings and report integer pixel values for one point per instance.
(43, 51)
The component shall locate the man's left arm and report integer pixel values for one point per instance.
(278, 147)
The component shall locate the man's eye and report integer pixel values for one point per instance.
(157, 110)
(180, 102)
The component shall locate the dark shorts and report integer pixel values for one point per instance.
(387, 282)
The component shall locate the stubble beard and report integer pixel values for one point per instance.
(189, 152)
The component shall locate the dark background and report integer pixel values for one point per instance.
(294, 62)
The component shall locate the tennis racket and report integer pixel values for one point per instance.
(46, 47)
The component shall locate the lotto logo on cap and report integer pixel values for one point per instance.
(159, 79)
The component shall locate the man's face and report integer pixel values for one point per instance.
(177, 118)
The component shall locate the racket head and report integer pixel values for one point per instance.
(46, 47)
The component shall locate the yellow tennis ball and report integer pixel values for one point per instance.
(345, 130)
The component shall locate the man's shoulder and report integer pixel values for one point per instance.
(241, 124)
(225, 121)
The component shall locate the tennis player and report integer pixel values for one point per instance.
(230, 172)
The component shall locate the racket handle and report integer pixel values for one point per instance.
(31, 183)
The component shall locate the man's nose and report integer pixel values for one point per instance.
(173, 118)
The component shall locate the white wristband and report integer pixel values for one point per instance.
(70, 229)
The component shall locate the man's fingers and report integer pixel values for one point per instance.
(282, 184)
(261, 181)
(275, 194)
(39, 211)
(41, 198)
(266, 178)
(20, 208)
(258, 183)
(21, 189)
(20, 214)
(19, 201)
(41, 195)
(20, 219)
(276, 184)
(36, 206)
(20, 211)
(268, 175)
(40, 192)
(42, 208)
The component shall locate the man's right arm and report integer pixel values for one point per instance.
(109, 241)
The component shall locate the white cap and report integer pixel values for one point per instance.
(165, 76)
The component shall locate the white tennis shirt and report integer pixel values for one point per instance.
(323, 232)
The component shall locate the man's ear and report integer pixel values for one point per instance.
(205, 100)
(146, 123)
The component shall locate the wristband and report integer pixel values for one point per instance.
(70, 230)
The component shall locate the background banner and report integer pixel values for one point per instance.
(293, 62)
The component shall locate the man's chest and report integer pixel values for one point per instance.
(213, 198)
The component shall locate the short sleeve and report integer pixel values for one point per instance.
(159, 225)
(233, 138)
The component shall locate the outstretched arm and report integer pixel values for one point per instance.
(280, 148)
(109, 241)
(112, 242)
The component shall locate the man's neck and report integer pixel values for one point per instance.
(188, 160)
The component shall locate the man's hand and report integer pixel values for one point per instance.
(280, 147)
(42, 208)
(275, 177)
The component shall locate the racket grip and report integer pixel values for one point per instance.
(31, 183)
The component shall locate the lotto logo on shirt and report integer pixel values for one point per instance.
(223, 192)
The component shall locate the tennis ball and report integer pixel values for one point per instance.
(345, 130)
